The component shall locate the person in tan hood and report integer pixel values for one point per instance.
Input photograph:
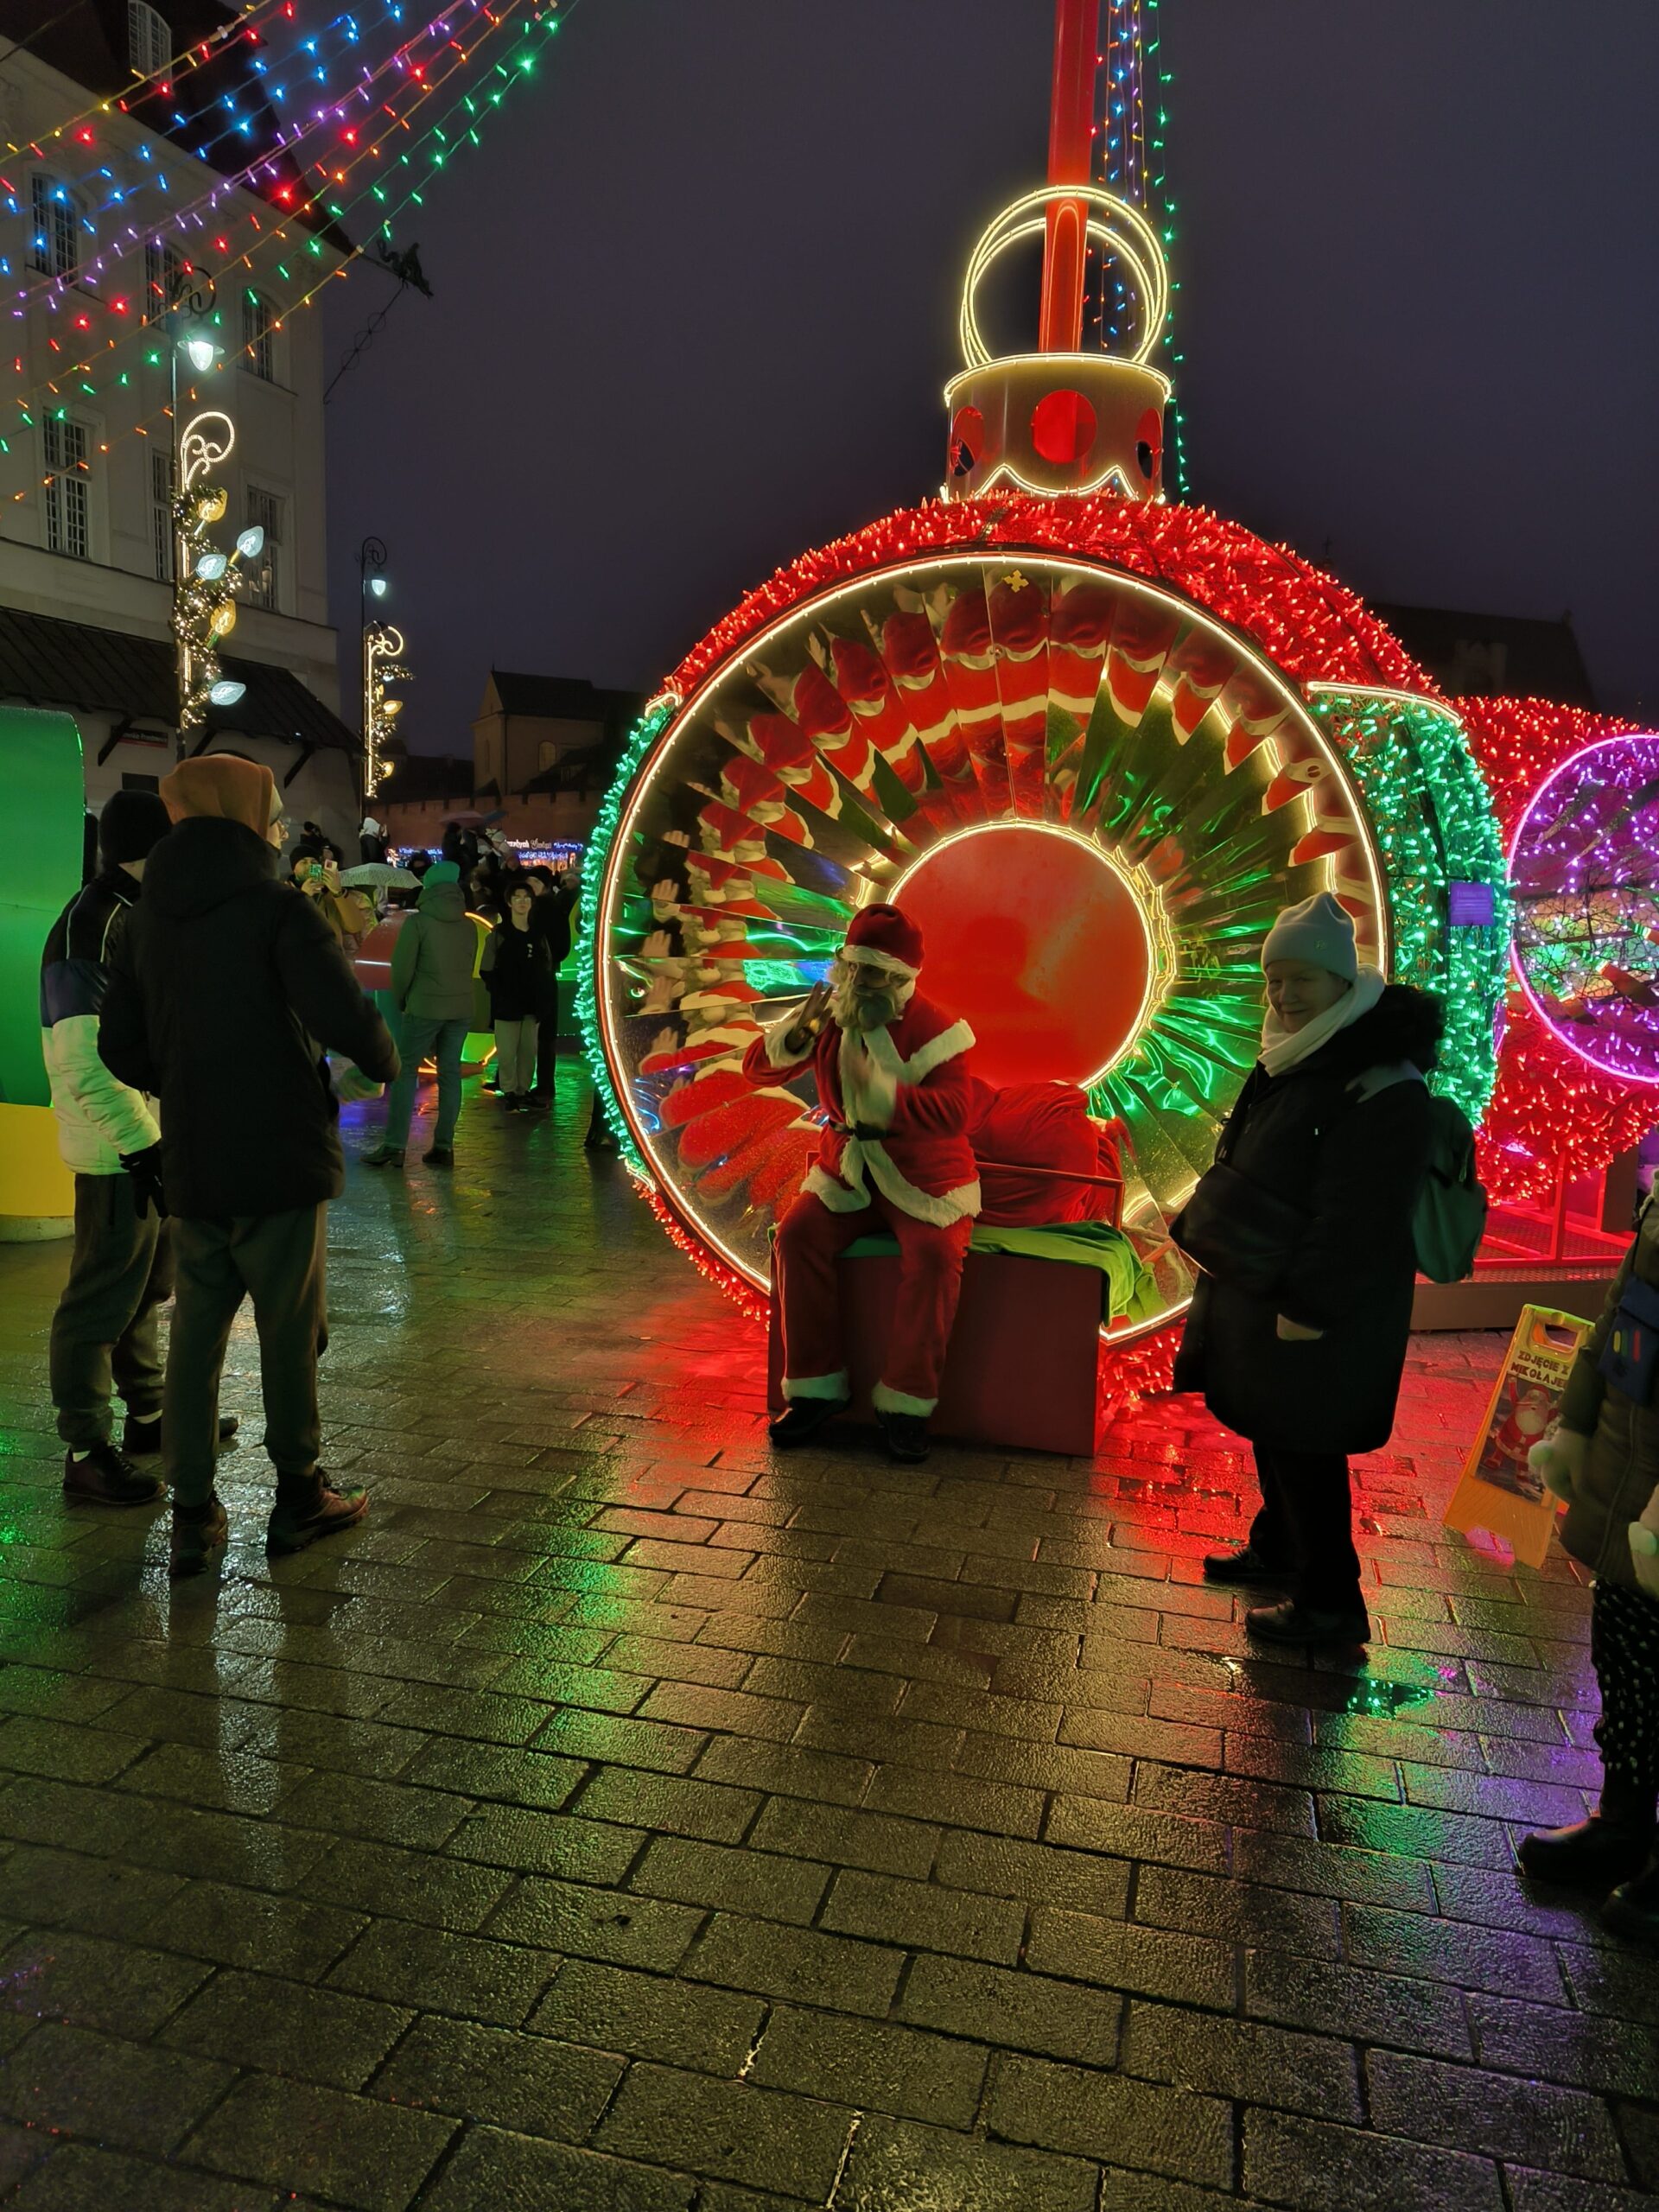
(226, 992)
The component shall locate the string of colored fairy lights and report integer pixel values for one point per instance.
(1134, 159)
(183, 63)
(69, 291)
(67, 391)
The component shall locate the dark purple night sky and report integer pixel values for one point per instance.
(696, 301)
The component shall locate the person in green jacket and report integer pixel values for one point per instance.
(1604, 1459)
(434, 961)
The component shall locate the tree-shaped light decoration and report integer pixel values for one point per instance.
(205, 581)
(383, 645)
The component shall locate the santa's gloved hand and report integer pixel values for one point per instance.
(145, 1169)
(1644, 1548)
(1558, 1461)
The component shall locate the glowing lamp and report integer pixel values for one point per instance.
(225, 693)
(211, 567)
(211, 505)
(378, 586)
(251, 544)
(223, 619)
(200, 350)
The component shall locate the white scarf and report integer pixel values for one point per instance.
(1283, 1048)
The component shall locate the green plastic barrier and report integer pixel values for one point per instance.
(45, 786)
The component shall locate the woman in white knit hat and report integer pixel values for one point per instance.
(1303, 1231)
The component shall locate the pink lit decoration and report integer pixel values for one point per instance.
(1584, 869)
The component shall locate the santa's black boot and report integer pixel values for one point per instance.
(801, 1419)
(1612, 1846)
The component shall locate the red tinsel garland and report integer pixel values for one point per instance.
(1309, 626)
(1552, 1112)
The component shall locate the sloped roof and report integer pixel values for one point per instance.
(560, 698)
(47, 663)
(1473, 655)
(429, 776)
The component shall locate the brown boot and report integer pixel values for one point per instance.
(306, 1508)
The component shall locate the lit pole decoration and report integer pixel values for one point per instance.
(380, 650)
(204, 580)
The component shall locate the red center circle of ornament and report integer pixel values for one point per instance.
(1037, 942)
(1062, 427)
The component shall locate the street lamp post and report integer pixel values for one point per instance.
(381, 646)
(205, 581)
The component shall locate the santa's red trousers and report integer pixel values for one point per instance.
(809, 1239)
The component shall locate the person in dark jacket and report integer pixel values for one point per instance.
(555, 903)
(518, 969)
(1604, 1459)
(434, 961)
(105, 1333)
(1303, 1231)
(226, 991)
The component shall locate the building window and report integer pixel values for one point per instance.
(140, 783)
(258, 335)
(265, 512)
(165, 270)
(163, 530)
(150, 42)
(55, 245)
(67, 470)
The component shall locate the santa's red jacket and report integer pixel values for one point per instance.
(908, 1082)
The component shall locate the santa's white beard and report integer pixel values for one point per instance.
(857, 1005)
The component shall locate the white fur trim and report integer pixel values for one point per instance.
(869, 1092)
(867, 956)
(836, 1197)
(941, 1208)
(772, 1034)
(834, 1386)
(887, 1400)
(957, 1039)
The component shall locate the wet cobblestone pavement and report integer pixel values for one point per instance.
(626, 1820)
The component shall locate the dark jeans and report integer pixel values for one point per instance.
(1306, 1524)
(280, 1261)
(419, 1034)
(1624, 1649)
(105, 1333)
(547, 1045)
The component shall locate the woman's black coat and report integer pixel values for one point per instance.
(518, 972)
(1355, 1168)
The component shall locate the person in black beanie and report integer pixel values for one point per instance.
(105, 1333)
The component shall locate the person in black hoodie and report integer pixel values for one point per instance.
(1300, 1322)
(556, 901)
(518, 970)
(225, 992)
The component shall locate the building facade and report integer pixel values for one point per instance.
(92, 260)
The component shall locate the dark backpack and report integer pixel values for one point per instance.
(1450, 1217)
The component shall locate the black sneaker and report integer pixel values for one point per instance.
(1596, 1854)
(906, 1437)
(801, 1418)
(142, 1439)
(325, 1512)
(442, 1155)
(539, 1103)
(196, 1537)
(1292, 1623)
(1244, 1566)
(385, 1155)
(1633, 1909)
(106, 1477)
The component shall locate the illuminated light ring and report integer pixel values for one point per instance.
(1176, 1049)
(1113, 477)
(1580, 1046)
(1119, 225)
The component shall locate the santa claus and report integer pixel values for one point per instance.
(892, 1075)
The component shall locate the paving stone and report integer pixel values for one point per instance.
(401, 1963)
(1017, 2010)
(506, 2078)
(516, 1775)
(78, 2176)
(758, 1882)
(92, 1983)
(1561, 2130)
(521, 2173)
(649, 2016)
(872, 2065)
(899, 2165)
(924, 1916)
(127, 2095)
(796, 1962)
(1239, 2059)
(1104, 2116)
(878, 1841)
(734, 2130)
(1554, 2044)
(1537, 2192)
(245, 1927)
(532, 1841)
(288, 2027)
(596, 1923)
(1080, 1947)
(1390, 2009)
(1316, 2168)
(350, 2148)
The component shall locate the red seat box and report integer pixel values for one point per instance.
(1024, 1360)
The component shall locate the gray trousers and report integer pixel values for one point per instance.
(515, 1055)
(106, 1332)
(417, 1035)
(280, 1261)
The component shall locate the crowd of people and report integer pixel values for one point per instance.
(201, 1017)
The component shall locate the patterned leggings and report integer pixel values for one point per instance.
(1624, 1648)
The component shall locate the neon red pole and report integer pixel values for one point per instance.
(1070, 145)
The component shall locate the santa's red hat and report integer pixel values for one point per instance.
(881, 937)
